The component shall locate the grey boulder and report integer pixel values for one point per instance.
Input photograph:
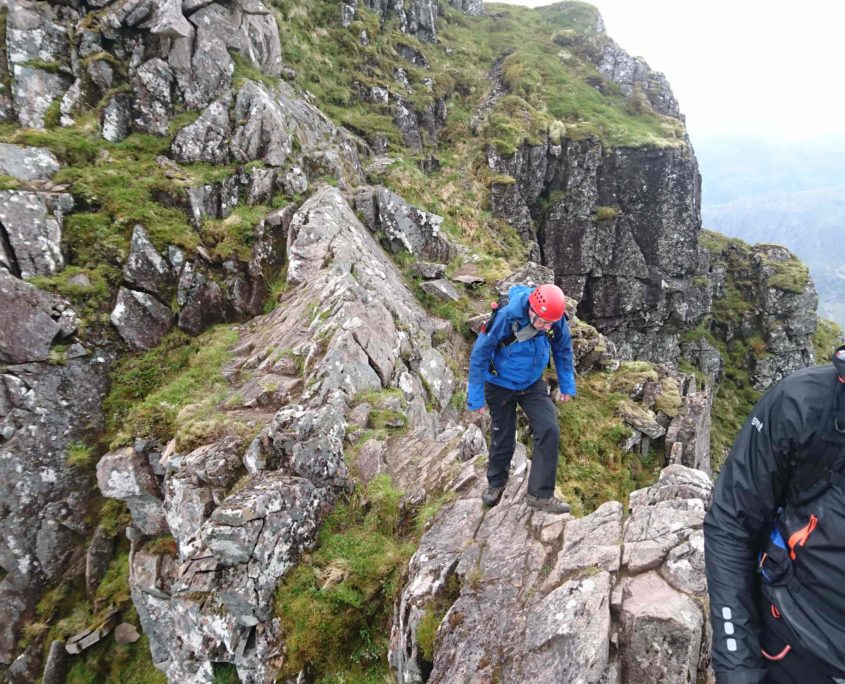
(39, 319)
(140, 318)
(27, 163)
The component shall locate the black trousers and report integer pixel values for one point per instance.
(542, 417)
(785, 660)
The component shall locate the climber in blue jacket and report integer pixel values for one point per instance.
(505, 369)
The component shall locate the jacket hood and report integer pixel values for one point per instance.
(517, 307)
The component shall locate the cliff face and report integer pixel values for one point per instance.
(167, 176)
(619, 227)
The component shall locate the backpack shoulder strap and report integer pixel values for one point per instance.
(824, 451)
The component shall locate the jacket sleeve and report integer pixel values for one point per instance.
(562, 354)
(750, 487)
(483, 351)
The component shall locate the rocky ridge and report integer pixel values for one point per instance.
(354, 327)
(243, 511)
(553, 598)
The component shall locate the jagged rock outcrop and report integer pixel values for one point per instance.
(40, 318)
(353, 326)
(126, 475)
(32, 225)
(38, 51)
(619, 227)
(178, 56)
(418, 17)
(688, 435)
(43, 409)
(765, 299)
(474, 8)
(647, 89)
(31, 216)
(564, 609)
(404, 226)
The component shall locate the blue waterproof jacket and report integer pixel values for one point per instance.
(518, 365)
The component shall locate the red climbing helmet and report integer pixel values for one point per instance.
(548, 302)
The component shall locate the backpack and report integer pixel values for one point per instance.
(808, 476)
(510, 338)
(815, 619)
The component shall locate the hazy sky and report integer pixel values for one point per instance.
(741, 67)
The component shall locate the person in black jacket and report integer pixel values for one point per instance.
(775, 537)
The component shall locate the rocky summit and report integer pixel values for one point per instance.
(245, 249)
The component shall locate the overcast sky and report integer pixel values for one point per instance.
(740, 67)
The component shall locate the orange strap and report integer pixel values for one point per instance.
(800, 537)
(775, 612)
(779, 656)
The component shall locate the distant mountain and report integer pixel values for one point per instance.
(791, 194)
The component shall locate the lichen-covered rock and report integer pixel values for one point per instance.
(404, 226)
(335, 333)
(551, 581)
(214, 200)
(202, 302)
(688, 435)
(441, 289)
(43, 409)
(194, 484)
(265, 133)
(27, 163)
(776, 318)
(430, 271)
(684, 567)
(57, 661)
(704, 356)
(661, 632)
(140, 318)
(39, 319)
(271, 122)
(648, 90)
(633, 270)
(116, 119)
(418, 17)
(635, 77)
(221, 603)
(407, 122)
(786, 317)
(310, 443)
(126, 475)
(147, 270)
(474, 8)
(153, 106)
(35, 33)
(507, 202)
(207, 139)
(641, 419)
(33, 227)
(98, 555)
(532, 275)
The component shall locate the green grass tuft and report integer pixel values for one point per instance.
(335, 605)
(182, 374)
(80, 455)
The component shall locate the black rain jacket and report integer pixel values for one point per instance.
(756, 515)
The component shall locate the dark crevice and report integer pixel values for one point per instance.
(257, 538)
(6, 247)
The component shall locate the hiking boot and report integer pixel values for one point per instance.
(548, 504)
(491, 495)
